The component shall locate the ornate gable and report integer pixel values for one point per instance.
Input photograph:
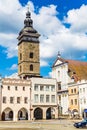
(59, 61)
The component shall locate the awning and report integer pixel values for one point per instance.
(85, 110)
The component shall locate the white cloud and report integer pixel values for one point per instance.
(43, 63)
(9, 41)
(14, 75)
(78, 19)
(47, 22)
(54, 35)
(50, 74)
(13, 67)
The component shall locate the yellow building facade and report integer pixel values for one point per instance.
(73, 96)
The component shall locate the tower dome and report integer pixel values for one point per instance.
(28, 22)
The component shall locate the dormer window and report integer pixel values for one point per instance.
(74, 72)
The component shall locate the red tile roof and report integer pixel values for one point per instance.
(78, 69)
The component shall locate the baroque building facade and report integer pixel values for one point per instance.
(71, 76)
(59, 71)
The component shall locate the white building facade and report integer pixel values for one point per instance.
(33, 98)
(59, 71)
(15, 103)
(71, 74)
(83, 98)
(44, 98)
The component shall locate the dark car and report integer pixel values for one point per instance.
(81, 124)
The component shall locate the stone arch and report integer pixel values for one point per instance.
(23, 114)
(48, 113)
(38, 113)
(7, 114)
(3, 116)
(75, 111)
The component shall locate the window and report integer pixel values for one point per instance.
(16, 88)
(41, 98)
(11, 99)
(18, 99)
(65, 95)
(36, 98)
(59, 99)
(36, 87)
(71, 102)
(31, 55)
(58, 74)
(25, 100)
(81, 101)
(75, 101)
(47, 98)
(83, 89)
(20, 68)
(4, 99)
(53, 98)
(41, 88)
(59, 86)
(74, 90)
(84, 101)
(47, 88)
(31, 67)
(80, 90)
(20, 56)
(71, 90)
(23, 88)
(8, 87)
(52, 88)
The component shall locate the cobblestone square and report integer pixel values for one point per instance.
(39, 125)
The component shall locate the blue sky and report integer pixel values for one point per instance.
(61, 23)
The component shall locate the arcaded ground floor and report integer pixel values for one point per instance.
(39, 125)
(38, 113)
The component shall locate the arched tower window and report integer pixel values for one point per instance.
(31, 55)
(20, 56)
(31, 67)
(20, 68)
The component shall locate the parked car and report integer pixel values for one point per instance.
(81, 124)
